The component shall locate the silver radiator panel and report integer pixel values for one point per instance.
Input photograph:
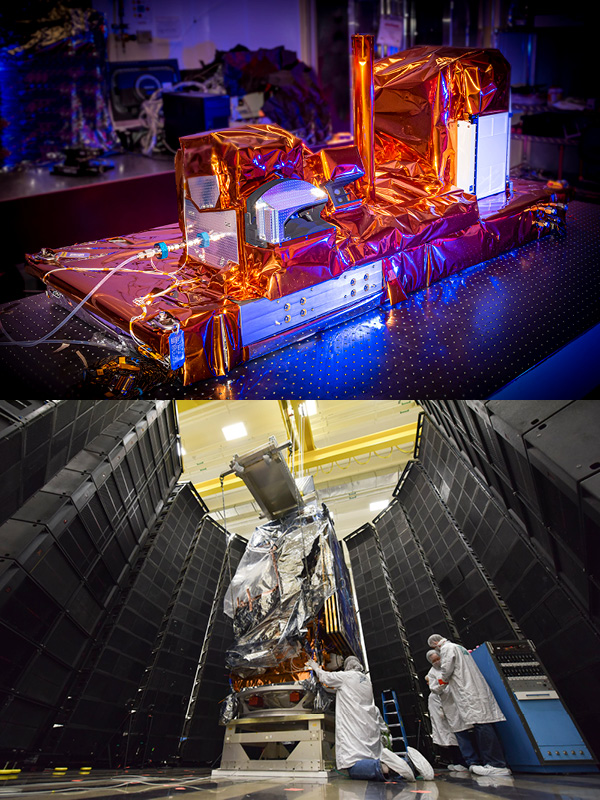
(204, 190)
(221, 226)
(269, 480)
(260, 319)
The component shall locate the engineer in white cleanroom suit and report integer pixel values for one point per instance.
(477, 707)
(358, 745)
(444, 715)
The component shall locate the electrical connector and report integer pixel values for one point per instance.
(162, 249)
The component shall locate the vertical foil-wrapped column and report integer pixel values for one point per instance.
(362, 72)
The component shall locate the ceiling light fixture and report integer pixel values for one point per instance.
(308, 408)
(235, 431)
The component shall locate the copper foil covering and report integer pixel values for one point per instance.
(284, 673)
(418, 95)
(242, 158)
(362, 78)
(420, 223)
(209, 320)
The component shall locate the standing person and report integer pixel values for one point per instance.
(444, 715)
(358, 746)
(476, 705)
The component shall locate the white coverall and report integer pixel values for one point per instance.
(357, 729)
(467, 686)
(443, 712)
(358, 723)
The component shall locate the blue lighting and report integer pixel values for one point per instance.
(465, 335)
(444, 87)
(54, 96)
(570, 366)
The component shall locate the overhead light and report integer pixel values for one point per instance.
(235, 431)
(378, 505)
(308, 408)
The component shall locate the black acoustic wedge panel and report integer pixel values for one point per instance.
(168, 684)
(542, 461)
(204, 741)
(419, 598)
(388, 650)
(116, 577)
(99, 716)
(66, 553)
(538, 573)
(469, 593)
(39, 437)
(187, 636)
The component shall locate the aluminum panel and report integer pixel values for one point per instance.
(260, 319)
(493, 132)
(269, 480)
(465, 155)
(204, 190)
(300, 332)
(221, 226)
(279, 202)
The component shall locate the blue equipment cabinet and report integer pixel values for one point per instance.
(539, 734)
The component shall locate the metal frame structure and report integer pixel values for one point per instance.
(289, 743)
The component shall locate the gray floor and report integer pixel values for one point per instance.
(171, 783)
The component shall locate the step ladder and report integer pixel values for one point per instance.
(393, 719)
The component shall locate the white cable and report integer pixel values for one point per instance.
(77, 307)
(149, 253)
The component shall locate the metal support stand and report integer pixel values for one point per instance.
(280, 744)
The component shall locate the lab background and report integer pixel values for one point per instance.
(476, 520)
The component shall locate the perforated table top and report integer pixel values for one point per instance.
(465, 336)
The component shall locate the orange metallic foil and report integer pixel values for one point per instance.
(420, 223)
(362, 77)
(284, 673)
(419, 95)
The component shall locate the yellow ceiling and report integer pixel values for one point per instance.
(355, 450)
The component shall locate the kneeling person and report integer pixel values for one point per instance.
(358, 745)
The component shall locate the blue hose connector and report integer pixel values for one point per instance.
(163, 249)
